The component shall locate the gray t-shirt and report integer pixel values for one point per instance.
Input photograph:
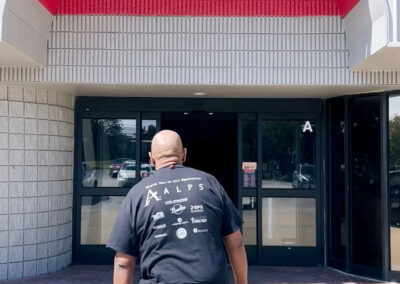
(174, 221)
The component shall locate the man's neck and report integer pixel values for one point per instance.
(168, 164)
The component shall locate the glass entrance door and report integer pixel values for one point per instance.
(280, 189)
(112, 158)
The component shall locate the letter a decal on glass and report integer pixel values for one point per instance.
(307, 127)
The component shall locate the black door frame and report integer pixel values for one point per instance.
(385, 273)
(112, 107)
(284, 255)
(98, 254)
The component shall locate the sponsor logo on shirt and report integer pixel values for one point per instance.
(198, 220)
(177, 209)
(181, 233)
(159, 215)
(197, 230)
(196, 208)
(169, 202)
(160, 236)
(179, 222)
(158, 227)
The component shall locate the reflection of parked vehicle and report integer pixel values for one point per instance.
(395, 214)
(394, 188)
(305, 177)
(116, 165)
(89, 176)
(146, 170)
(127, 174)
(249, 203)
(394, 184)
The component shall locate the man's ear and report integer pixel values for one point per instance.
(184, 153)
(152, 161)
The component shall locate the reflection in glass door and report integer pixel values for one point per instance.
(336, 185)
(289, 191)
(394, 181)
(248, 184)
(365, 201)
(280, 189)
(109, 158)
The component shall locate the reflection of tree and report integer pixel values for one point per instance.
(112, 127)
(250, 141)
(147, 135)
(148, 132)
(278, 148)
(112, 142)
(394, 140)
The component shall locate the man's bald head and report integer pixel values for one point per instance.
(167, 149)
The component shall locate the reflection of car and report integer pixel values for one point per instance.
(89, 176)
(146, 170)
(116, 165)
(394, 184)
(394, 187)
(395, 214)
(305, 177)
(127, 174)
(249, 203)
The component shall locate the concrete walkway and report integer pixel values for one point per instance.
(257, 275)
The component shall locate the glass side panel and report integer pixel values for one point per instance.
(249, 210)
(288, 155)
(394, 181)
(289, 222)
(365, 199)
(98, 214)
(337, 181)
(249, 152)
(108, 152)
(149, 129)
(250, 140)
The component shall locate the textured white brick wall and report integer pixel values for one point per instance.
(198, 50)
(36, 172)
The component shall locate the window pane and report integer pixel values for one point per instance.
(149, 129)
(365, 199)
(249, 149)
(394, 180)
(250, 140)
(288, 155)
(108, 152)
(97, 218)
(288, 222)
(337, 180)
(249, 209)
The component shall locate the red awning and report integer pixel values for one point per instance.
(200, 7)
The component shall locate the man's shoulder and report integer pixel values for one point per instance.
(193, 170)
(204, 175)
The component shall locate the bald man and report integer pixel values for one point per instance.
(178, 223)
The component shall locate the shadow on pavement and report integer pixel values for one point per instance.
(257, 275)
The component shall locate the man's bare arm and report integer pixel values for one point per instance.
(124, 264)
(237, 255)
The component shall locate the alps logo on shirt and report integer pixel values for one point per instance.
(179, 186)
